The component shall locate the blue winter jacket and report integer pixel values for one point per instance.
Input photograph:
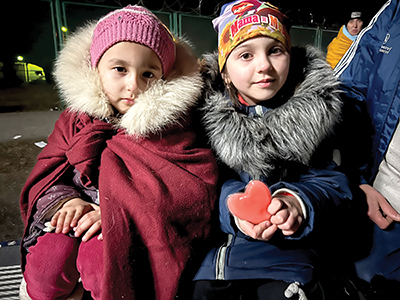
(370, 72)
(277, 144)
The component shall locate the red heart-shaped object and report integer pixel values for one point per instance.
(251, 205)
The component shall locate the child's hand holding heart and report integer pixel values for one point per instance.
(259, 216)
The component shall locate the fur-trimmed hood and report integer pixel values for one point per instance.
(288, 134)
(162, 105)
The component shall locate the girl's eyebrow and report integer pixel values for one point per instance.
(243, 45)
(122, 62)
(251, 45)
(241, 48)
(117, 61)
(155, 67)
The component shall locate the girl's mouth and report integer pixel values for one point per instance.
(128, 101)
(265, 82)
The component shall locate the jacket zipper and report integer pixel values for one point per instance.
(221, 256)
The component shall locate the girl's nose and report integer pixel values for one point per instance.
(132, 84)
(263, 64)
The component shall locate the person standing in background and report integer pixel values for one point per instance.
(346, 36)
(370, 74)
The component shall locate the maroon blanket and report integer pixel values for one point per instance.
(76, 141)
(156, 198)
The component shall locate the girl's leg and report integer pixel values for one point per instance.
(90, 266)
(50, 271)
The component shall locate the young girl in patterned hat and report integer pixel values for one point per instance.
(268, 108)
(124, 189)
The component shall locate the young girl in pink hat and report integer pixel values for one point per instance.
(268, 110)
(125, 188)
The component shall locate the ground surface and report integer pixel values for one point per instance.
(17, 159)
(26, 116)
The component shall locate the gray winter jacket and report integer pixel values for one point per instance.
(281, 143)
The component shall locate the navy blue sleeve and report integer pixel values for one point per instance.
(326, 195)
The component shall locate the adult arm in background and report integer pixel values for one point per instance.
(379, 209)
(362, 75)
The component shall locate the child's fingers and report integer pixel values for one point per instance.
(275, 206)
(89, 218)
(81, 228)
(280, 217)
(92, 231)
(257, 231)
(268, 233)
(248, 228)
(76, 217)
(290, 232)
(291, 225)
(60, 221)
(86, 222)
(69, 216)
(286, 214)
(54, 219)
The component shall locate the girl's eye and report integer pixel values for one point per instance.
(148, 75)
(276, 50)
(120, 69)
(245, 56)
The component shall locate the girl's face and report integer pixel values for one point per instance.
(126, 69)
(258, 68)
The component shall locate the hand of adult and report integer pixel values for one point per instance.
(379, 210)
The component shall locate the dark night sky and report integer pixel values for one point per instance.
(23, 22)
(333, 10)
(25, 11)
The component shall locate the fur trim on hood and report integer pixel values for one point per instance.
(162, 105)
(287, 134)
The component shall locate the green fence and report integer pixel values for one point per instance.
(64, 17)
(198, 29)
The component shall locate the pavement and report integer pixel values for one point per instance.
(10, 270)
(27, 125)
(17, 126)
(22, 137)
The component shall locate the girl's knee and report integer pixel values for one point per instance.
(90, 266)
(50, 270)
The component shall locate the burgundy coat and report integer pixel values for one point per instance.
(156, 197)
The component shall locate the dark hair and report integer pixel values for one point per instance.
(230, 88)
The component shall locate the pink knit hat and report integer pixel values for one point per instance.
(133, 24)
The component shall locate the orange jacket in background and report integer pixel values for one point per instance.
(337, 48)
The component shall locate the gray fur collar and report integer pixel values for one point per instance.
(160, 106)
(289, 133)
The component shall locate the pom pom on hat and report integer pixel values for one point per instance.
(133, 24)
(245, 19)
